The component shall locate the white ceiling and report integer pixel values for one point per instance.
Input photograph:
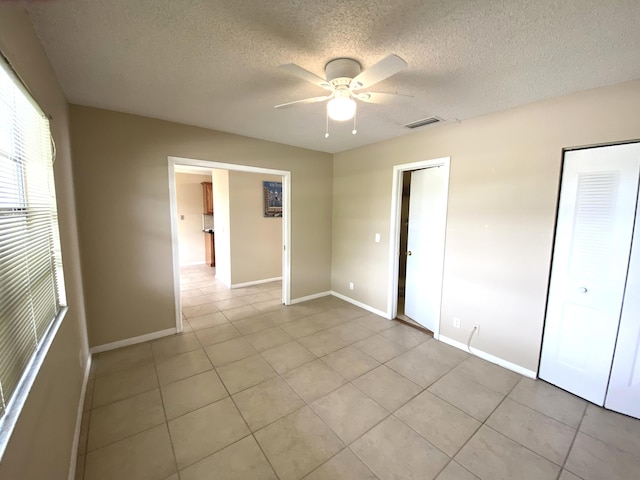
(213, 63)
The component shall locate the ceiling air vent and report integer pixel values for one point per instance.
(423, 122)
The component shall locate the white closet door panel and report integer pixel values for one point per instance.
(623, 394)
(425, 241)
(591, 255)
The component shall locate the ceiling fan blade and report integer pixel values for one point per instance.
(381, 98)
(304, 101)
(389, 65)
(300, 72)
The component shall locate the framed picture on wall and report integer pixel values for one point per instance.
(272, 194)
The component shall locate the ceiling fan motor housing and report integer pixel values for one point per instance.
(342, 68)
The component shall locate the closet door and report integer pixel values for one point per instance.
(623, 394)
(589, 269)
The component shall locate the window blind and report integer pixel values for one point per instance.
(31, 281)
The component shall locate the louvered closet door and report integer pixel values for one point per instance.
(589, 269)
(623, 394)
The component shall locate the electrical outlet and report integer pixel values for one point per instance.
(477, 331)
(350, 285)
(377, 238)
(456, 322)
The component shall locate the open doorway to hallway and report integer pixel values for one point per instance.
(250, 240)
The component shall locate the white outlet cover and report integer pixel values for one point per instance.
(377, 238)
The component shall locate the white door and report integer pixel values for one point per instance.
(589, 268)
(623, 394)
(425, 246)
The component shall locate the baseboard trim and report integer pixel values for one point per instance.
(490, 358)
(132, 341)
(76, 435)
(256, 282)
(361, 305)
(309, 297)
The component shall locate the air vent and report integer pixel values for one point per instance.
(423, 122)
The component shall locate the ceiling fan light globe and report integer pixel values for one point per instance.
(341, 109)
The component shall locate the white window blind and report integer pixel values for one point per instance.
(31, 281)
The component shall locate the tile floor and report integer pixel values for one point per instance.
(325, 390)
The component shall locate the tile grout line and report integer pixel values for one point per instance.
(159, 386)
(241, 416)
(247, 424)
(542, 413)
(426, 389)
(305, 403)
(86, 440)
(116, 401)
(575, 436)
(348, 382)
(278, 375)
(452, 458)
(164, 412)
(393, 414)
(211, 403)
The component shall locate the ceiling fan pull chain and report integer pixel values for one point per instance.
(326, 131)
(354, 131)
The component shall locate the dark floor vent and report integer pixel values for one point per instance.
(423, 122)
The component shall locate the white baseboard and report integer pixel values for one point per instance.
(309, 297)
(256, 282)
(188, 264)
(361, 305)
(490, 358)
(132, 341)
(76, 435)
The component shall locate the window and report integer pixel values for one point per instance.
(32, 295)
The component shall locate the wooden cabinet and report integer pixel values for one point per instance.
(209, 237)
(210, 249)
(207, 198)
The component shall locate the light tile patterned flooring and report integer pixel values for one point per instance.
(325, 390)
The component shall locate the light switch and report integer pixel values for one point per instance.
(377, 238)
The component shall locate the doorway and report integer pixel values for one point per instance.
(418, 223)
(173, 163)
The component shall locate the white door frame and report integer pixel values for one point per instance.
(286, 221)
(394, 235)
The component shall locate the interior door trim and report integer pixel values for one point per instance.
(286, 221)
(394, 233)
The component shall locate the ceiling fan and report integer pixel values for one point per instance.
(345, 79)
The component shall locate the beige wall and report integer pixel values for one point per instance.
(41, 445)
(189, 204)
(256, 241)
(505, 171)
(222, 227)
(120, 163)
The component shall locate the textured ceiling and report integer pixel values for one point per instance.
(213, 63)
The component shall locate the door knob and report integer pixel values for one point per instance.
(583, 290)
(409, 252)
